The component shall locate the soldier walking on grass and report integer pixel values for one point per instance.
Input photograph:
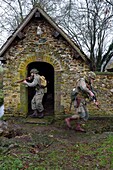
(83, 90)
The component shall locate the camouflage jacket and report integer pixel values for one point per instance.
(35, 82)
(83, 88)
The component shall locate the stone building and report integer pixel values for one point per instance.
(40, 43)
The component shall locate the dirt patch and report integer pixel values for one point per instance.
(58, 130)
(54, 146)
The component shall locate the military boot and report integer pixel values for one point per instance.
(35, 114)
(79, 128)
(40, 115)
(68, 120)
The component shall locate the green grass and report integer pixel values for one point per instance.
(83, 156)
(10, 163)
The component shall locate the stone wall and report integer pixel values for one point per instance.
(44, 48)
(58, 53)
(1, 85)
(103, 86)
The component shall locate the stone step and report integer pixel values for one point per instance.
(44, 121)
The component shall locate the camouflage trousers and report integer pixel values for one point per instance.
(36, 103)
(82, 110)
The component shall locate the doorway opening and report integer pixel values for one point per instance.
(46, 70)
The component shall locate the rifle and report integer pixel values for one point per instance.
(70, 105)
(28, 78)
(94, 98)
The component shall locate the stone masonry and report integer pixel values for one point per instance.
(33, 48)
(68, 67)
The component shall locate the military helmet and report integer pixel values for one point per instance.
(91, 75)
(34, 70)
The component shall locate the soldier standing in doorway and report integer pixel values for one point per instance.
(36, 103)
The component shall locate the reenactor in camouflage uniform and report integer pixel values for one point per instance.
(83, 91)
(36, 103)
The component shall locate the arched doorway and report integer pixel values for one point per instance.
(46, 70)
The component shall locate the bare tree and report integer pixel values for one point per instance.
(109, 2)
(14, 11)
(89, 24)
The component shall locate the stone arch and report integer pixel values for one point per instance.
(49, 59)
(22, 70)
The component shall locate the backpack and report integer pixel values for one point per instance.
(43, 81)
(73, 94)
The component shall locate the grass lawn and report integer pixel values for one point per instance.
(53, 147)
